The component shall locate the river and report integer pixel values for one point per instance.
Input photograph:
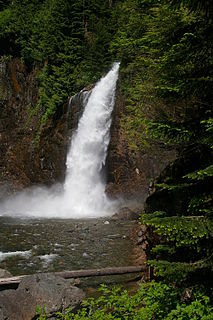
(43, 245)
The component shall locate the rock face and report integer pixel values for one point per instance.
(130, 171)
(22, 163)
(26, 160)
(44, 290)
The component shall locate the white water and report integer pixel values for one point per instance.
(83, 194)
(6, 255)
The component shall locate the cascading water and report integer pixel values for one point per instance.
(83, 195)
(86, 158)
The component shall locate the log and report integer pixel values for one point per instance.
(81, 273)
(100, 272)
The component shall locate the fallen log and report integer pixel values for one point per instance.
(100, 272)
(81, 273)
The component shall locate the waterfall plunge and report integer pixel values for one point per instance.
(84, 188)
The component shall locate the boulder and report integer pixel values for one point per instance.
(5, 274)
(48, 291)
(125, 214)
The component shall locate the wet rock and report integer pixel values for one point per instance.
(76, 107)
(22, 164)
(130, 170)
(85, 255)
(144, 245)
(125, 214)
(45, 290)
(140, 240)
(74, 281)
(143, 228)
(5, 274)
(140, 233)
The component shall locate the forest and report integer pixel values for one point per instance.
(166, 52)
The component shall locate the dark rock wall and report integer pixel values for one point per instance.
(22, 162)
(130, 172)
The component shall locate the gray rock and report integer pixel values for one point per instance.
(140, 240)
(85, 255)
(46, 290)
(125, 214)
(5, 274)
(140, 233)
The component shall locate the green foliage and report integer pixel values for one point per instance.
(209, 125)
(170, 271)
(67, 41)
(201, 204)
(171, 187)
(166, 71)
(195, 5)
(152, 301)
(201, 174)
(169, 133)
(177, 53)
(40, 311)
(183, 231)
(5, 17)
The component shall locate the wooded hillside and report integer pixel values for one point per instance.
(166, 53)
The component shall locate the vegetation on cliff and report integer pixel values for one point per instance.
(167, 82)
(67, 41)
(166, 53)
(176, 49)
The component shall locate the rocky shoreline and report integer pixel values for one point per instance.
(44, 290)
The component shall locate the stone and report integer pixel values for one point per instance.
(46, 290)
(140, 240)
(125, 214)
(140, 233)
(186, 295)
(85, 255)
(143, 228)
(144, 245)
(5, 274)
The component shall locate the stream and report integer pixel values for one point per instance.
(48, 245)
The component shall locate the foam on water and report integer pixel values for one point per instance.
(47, 259)
(6, 255)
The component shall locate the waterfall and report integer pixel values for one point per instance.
(83, 194)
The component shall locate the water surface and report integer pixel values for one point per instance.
(31, 246)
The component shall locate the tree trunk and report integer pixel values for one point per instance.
(81, 273)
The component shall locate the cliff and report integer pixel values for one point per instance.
(130, 171)
(37, 155)
(24, 161)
